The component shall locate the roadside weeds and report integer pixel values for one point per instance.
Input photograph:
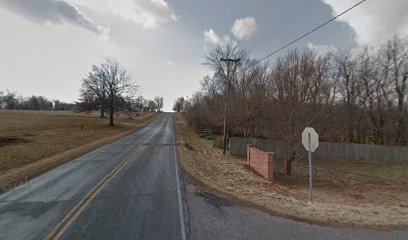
(362, 202)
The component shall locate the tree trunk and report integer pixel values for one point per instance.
(111, 112)
(102, 111)
(111, 119)
(289, 163)
(289, 167)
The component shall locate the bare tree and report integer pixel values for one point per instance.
(300, 94)
(94, 89)
(354, 95)
(140, 103)
(152, 106)
(350, 88)
(117, 82)
(108, 81)
(394, 63)
(159, 103)
(179, 104)
(225, 60)
(10, 100)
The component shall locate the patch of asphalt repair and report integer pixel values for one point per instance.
(216, 201)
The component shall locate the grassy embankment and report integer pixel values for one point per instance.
(32, 142)
(353, 194)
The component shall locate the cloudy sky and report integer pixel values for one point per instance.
(46, 46)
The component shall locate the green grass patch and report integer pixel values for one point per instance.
(207, 136)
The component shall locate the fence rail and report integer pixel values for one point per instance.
(326, 150)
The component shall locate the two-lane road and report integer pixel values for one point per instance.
(131, 189)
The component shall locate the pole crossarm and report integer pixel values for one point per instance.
(235, 60)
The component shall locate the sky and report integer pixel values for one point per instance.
(47, 46)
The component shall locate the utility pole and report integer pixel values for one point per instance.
(227, 89)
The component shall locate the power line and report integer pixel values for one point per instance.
(284, 22)
(313, 30)
(266, 6)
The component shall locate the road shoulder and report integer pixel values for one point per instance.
(224, 176)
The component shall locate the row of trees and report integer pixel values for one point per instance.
(353, 95)
(109, 88)
(12, 100)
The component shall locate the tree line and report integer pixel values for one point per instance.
(107, 88)
(354, 95)
(13, 101)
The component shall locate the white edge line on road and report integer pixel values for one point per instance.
(183, 228)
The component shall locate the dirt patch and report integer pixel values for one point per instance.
(351, 194)
(186, 145)
(11, 140)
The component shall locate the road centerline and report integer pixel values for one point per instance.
(58, 231)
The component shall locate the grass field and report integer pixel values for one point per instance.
(34, 141)
(363, 194)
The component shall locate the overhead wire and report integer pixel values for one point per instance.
(313, 30)
(294, 13)
(265, 7)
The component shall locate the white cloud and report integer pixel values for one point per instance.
(54, 60)
(170, 62)
(211, 37)
(244, 28)
(148, 13)
(323, 49)
(49, 12)
(373, 21)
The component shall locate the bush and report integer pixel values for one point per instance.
(202, 135)
(219, 144)
(207, 136)
(210, 137)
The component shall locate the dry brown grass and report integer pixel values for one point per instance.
(359, 194)
(34, 141)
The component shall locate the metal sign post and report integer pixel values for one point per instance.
(310, 141)
(310, 173)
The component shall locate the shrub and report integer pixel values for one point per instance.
(219, 144)
(207, 136)
(202, 135)
(210, 137)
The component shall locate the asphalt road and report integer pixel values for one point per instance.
(125, 190)
(132, 189)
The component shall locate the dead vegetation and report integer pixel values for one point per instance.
(358, 194)
(353, 95)
(34, 141)
(11, 140)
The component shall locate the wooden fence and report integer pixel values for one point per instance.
(326, 150)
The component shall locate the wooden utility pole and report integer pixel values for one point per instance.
(227, 89)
